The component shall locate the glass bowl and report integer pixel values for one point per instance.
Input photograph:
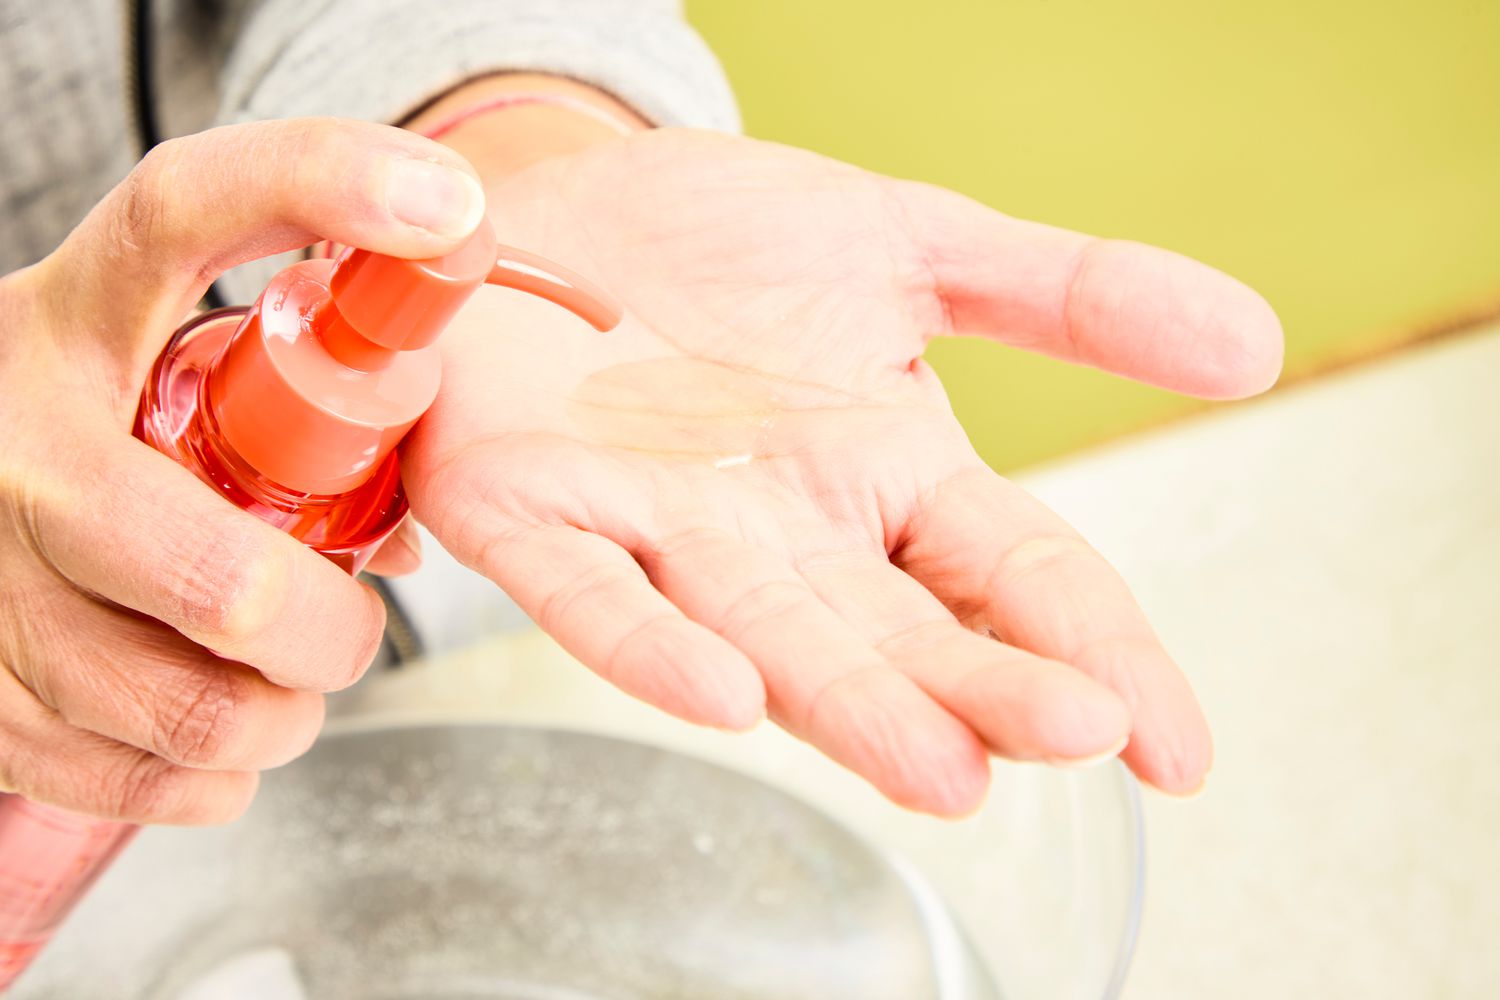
(490, 860)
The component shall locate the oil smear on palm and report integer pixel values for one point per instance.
(697, 411)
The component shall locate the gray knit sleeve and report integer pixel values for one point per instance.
(379, 60)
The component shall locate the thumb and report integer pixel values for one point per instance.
(196, 206)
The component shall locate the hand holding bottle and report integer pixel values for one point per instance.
(159, 647)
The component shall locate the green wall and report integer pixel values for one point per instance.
(1343, 158)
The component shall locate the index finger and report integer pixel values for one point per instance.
(158, 541)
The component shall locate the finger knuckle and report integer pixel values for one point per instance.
(202, 725)
(141, 210)
(24, 295)
(318, 134)
(302, 138)
(34, 503)
(147, 789)
(694, 542)
(560, 606)
(228, 591)
(648, 642)
(760, 606)
(1045, 553)
(319, 157)
(919, 267)
(853, 713)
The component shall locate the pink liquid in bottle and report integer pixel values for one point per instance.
(48, 859)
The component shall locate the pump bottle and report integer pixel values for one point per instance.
(292, 410)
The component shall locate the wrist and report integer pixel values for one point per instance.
(505, 123)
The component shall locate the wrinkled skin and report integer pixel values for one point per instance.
(753, 496)
(159, 647)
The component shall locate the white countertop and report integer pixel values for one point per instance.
(1326, 565)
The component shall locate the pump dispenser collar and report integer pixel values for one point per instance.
(335, 362)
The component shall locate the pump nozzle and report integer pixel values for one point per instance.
(402, 305)
(329, 371)
(539, 276)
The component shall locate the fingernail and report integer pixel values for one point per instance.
(742, 722)
(1092, 760)
(1196, 792)
(406, 550)
(433, 197)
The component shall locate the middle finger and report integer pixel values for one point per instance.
(1024, 706)
(136, 681)
(824, 682)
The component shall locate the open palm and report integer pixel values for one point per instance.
(753, 495)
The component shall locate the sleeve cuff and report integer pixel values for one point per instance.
(379, 60)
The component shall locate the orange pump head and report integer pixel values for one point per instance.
(403, 305)
(335, 363)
